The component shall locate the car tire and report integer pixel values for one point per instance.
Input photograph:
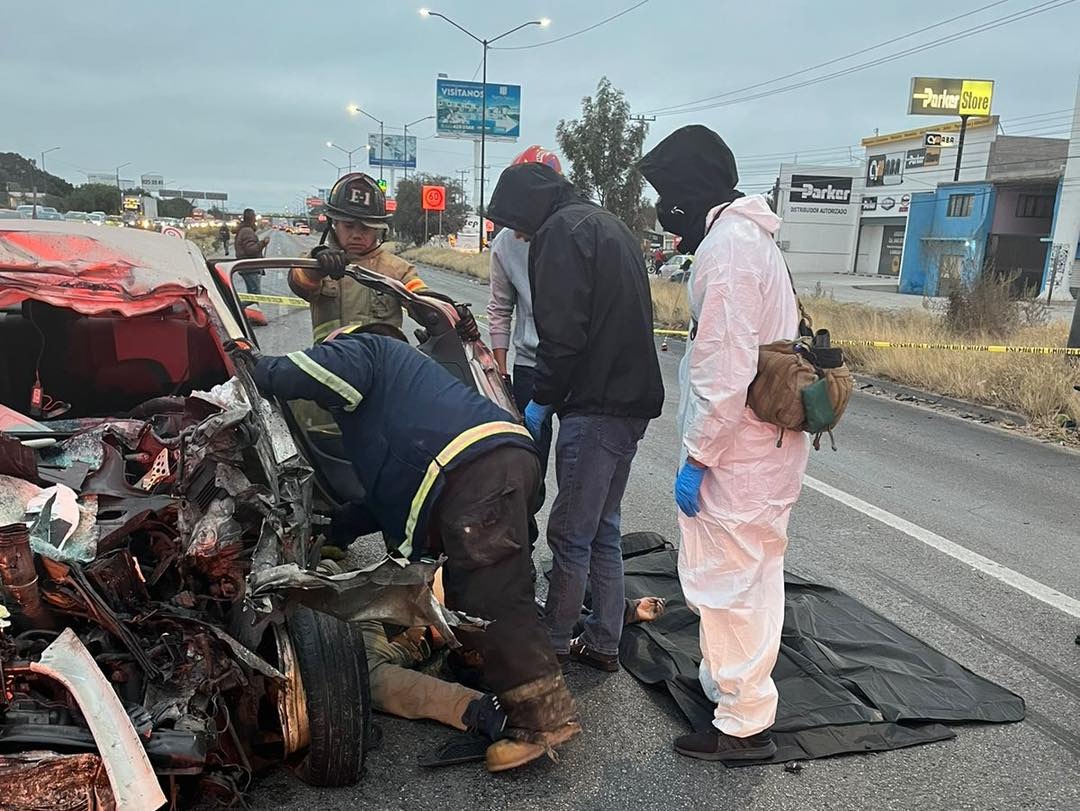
(333, 666)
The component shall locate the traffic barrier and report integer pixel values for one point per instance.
(285, 301)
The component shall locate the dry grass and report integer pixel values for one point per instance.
(471, 264)
(671, 310)
(1038, 386)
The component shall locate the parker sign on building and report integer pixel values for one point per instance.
(953, 97)
(819, 194)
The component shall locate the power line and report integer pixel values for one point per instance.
(1030, 11)
(573, 34)
(831, 61)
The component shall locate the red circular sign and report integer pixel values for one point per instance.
(434, 198)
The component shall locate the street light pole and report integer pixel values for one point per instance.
(405, 133)
(44, 179)
(356, 108)
(348, 152)
(484, 43)
(129, 163)
(336, 167)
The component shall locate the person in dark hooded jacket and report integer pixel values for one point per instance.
(596, 366)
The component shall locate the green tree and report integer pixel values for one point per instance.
(604, 146)
(178, 208)
(94, 197)
(408, 220)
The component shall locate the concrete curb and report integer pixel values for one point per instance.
(897, 390)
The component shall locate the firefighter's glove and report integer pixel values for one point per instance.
(466, 327)
(332, 262)
(243, 354)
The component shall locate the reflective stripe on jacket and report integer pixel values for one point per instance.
(405, 422)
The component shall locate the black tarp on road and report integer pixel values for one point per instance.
(849, 680)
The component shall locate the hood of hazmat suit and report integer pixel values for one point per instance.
(731, 559)
(693, 170)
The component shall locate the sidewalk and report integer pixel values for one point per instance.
(881, 292)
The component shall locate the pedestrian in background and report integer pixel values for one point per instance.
(223, 238)
(596, 367)
(249, 246)
(736, 484)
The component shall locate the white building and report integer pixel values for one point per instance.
(820, 210)
(900, 164)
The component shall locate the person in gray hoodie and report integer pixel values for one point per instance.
(510, 312)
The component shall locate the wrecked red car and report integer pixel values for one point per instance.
(160, 528)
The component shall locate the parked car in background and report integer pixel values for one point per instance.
(97, 217)
(49, 214)
(77, 216)
(115, 221)
(10, 214)
(676, 268)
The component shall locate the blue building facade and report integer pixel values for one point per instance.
(946, 239)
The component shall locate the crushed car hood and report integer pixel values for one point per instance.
(95, 270)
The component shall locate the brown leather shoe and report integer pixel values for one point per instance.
(509, 753)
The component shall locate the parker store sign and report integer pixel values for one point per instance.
(826, 194)
(954, 97)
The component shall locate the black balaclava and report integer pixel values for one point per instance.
(693, 170)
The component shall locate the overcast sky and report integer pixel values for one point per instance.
(242, 96)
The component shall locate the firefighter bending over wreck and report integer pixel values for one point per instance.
(452, 475)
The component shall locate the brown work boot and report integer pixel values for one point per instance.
(510, 753)
(540, 716)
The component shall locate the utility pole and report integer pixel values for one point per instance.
(461, 173)
(1067, 222)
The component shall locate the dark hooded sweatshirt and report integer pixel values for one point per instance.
(591, 300)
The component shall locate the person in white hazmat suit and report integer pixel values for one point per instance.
(735, 486)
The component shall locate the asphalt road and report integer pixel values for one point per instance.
(1013, 502)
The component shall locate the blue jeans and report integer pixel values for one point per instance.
(592, 464)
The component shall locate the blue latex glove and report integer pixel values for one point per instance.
(535, 417)
(687, 487)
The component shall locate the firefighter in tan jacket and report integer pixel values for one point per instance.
(356, 209)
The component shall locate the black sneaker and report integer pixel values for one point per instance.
(580, 652)
(485, 716)
(715, 745)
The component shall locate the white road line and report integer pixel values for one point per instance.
(1033, 588)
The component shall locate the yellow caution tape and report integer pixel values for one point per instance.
(1000, 349)
(1022, 350)
(285, 301)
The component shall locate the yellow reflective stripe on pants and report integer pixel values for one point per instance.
(462, 442)
(325, 328)
(351, 396)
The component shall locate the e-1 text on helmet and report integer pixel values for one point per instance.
(357, 197)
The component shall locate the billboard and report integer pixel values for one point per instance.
(106, 178)
(152, 182)
(952, 97)
(820, 193)
(458, 110)
(394, 153)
